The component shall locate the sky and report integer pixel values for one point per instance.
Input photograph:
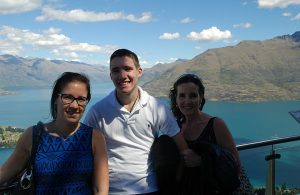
(158, 31)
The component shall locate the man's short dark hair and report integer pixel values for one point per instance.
(125, 52)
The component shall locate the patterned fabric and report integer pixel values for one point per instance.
(65, 166)
(246, 187)
(208, 135)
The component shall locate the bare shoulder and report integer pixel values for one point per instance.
(220, 127)
(25, 140)
(98, 142)
(224, 137)
(219, 122)
(24, 144)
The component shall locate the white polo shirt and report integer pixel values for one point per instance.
(129, 137)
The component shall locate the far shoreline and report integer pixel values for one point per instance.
(7, 147)
(6, 92)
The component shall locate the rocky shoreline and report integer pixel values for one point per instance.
(9, 136)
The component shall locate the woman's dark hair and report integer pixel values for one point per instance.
(185, 78)
(60, 84)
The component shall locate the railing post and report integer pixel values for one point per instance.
(270, 183)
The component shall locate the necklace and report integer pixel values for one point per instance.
(135, 101)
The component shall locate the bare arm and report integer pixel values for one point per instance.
(224, 137)
(18, 159)
(180, 142)
(190, 158)
(101, 177)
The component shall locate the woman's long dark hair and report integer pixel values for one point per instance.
(185, 78)
(61, 82)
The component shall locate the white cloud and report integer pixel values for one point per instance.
(72, 55)
(7, 47)
(170, 36)
(69, 51)
(143, 62)
(186, 20)
(52, 40)
(158, 62)
(52, 30)
(15, 39)
(85, 47)
(170, 60)
(297, 17)
(18, 6)
(277, 3)
(227, 41)
(286, 14)
(78, 15)
(243, 25)
(28, 37)
(211, 34)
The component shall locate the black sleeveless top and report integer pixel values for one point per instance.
(207, 134)
(194, 180)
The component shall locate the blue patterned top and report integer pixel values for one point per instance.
(65, 166)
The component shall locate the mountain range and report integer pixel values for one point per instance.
(17, 71)
(250, 71)
(264, 70)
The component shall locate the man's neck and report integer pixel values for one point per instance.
(128, 100)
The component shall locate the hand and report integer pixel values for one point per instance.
(191, 158)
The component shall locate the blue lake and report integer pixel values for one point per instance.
(248, 122)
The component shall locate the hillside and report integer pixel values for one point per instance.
(154, 72)
(24, 72)
(250, 71)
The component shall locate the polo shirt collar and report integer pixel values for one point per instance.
(144, 97)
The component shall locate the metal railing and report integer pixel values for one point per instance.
(267, 142)
(270, 187)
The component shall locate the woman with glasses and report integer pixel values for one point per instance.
(187, 101)
(71, 157)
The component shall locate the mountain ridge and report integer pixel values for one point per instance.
(252, 70)
(17, 71)
(249, 71)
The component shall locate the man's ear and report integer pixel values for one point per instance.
(140, 70)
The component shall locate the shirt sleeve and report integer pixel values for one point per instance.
(168, 124)
(91, 119)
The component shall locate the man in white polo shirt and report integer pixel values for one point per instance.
(131, 119)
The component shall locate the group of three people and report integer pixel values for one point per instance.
(110, 151)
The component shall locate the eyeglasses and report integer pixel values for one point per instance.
(68, 99)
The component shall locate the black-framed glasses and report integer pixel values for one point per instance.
(68, 99)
